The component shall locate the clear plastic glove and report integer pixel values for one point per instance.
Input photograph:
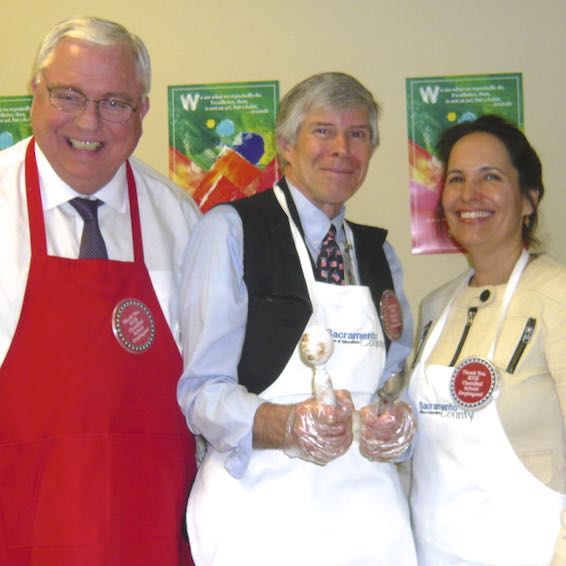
(319, 433)
(386, 430)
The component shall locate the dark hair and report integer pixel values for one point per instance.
(523, 157)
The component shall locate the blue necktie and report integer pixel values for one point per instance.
(330, 262)
(92, 242)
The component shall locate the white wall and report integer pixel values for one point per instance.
(381, 42)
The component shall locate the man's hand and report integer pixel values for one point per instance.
(386, 432)
(319, 433)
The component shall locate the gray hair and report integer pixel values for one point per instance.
(99, 32)
(338, 91)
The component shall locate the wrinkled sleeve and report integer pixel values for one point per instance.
(556, 358)
(213, 315)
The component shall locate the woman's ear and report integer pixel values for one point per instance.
(531, 201)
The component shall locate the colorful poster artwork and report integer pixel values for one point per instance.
(434, 104)
(14, 119)
(222, 140)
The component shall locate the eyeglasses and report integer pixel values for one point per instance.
(72, 101)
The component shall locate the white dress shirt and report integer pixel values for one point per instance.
(167, 216)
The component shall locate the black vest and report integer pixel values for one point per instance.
(278, 302)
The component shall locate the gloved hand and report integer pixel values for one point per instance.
(319, 433)
(386, 430)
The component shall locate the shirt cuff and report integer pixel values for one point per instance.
(238, 459)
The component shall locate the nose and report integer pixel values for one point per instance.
(469, 190)
(341, 144)
(88, 118)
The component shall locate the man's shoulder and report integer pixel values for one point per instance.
(258, 200)
(14, 154)
(12, 172)
(154, 179)
(372, 235)
(157, 188)
(260, 209)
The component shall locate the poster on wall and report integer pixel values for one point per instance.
(434, 104)
(222, 139)
(14, 119)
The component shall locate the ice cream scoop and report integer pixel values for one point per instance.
(391, 389)
(316, 345)
(316, 348)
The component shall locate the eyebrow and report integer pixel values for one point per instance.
(482, 169)
(120, 95)
(105, 96)
(321, 124)
(333, 125)
(485, 168)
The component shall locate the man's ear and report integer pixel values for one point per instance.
(284, 147)
(144, 107)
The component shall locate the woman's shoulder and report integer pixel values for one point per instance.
(436, 300)
(546, 276)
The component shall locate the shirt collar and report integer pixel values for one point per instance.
(54, 191)
(314, 222)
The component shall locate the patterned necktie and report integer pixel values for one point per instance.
(92, 242)
(330, 263)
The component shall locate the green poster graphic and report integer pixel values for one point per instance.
(434, 104)
(14, 119)
(221, 139)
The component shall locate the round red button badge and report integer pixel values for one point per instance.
(391, 315)
(473, 383)
(133, 325)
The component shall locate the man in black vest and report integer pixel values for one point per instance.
(293, 465)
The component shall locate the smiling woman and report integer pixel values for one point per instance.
(497, 177)
(495, 359)
(484, 206)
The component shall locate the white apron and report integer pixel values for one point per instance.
(287, 511)
(473, 503)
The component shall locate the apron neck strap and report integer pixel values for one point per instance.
(508, 294)
(134, 215)
(509, 291)
(38, 242)
(291, 207)
(302, 251)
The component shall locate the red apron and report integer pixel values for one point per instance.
(96, 460)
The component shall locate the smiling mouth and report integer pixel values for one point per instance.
(338, 171)
(84, 145)
(473, 214)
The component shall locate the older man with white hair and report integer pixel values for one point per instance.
(95, 459)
